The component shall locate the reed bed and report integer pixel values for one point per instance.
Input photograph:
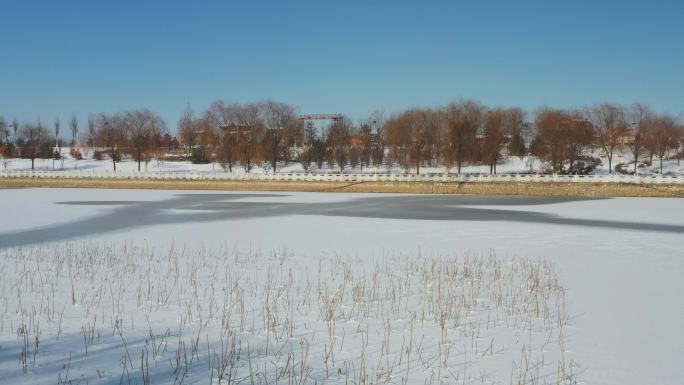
(129, 314)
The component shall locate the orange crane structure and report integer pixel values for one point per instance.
(333, 117)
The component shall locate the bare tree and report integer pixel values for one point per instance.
(412, 136)
(338, 143)
(665, 136)
(92, 127)
(639, 114)
(187, 129)
(610, 127)
(547, 144)
(111, 135)
(280, 125)
(6, 147)
(517, 145)
(362, 144)
(73, 125)
(205, 137)
(251, 135)
(144, 129)
(579, 135)
(306, 156)
(227, 152)
(562, 136)
(57, 128)
(239, 132)
(500, 126)
(36, 141)
(223, 121)
(398, 139)
(462, 120)
(57, 150)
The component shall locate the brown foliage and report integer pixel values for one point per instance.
(662, 135)
(462, 121)
(562, 136)
(412, 137)
(144, 130)
(610, 128)
(281, 131)
(110, 133)
(500, 126)
(338, 142)
(35, 139)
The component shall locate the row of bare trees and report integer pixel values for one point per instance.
(244, 134)
(563, 136)
(465, 132)
(460, 132)
(138, 133)
(31, 141)
(345, 144)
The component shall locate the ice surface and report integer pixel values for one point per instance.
(623, 286)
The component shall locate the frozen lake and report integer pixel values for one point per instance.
(621, 260)
(191, 207)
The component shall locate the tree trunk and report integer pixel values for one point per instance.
(32, 163)
(610, 164)
(636, 160)
(417, 162)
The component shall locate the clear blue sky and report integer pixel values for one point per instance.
(350, 57)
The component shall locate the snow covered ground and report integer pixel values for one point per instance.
(339, 276)
(510, 165)
(513, 165)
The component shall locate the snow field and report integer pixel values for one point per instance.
(510, 165)
(622, 287)
(109, 313)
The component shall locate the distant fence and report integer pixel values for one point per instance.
(330, 177)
